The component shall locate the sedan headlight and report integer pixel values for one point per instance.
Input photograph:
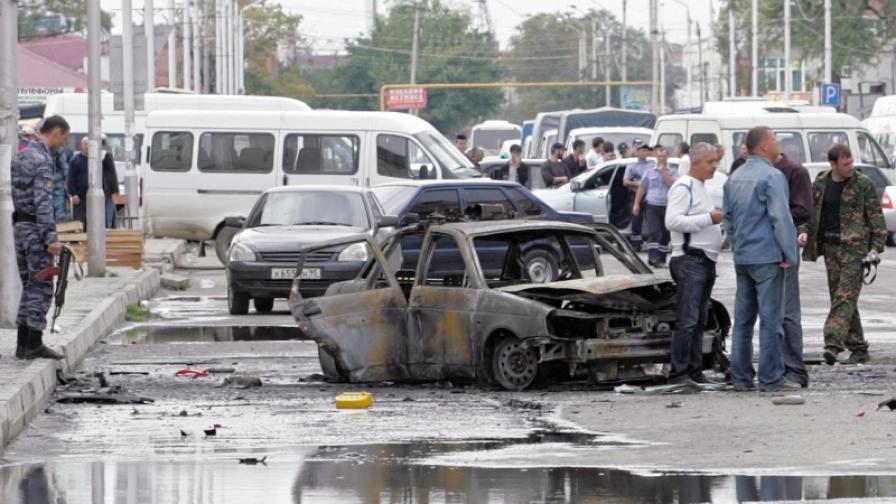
(354, 252)
(241, 253)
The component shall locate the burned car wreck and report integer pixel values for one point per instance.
(468, 310)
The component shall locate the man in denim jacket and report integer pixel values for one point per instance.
(756, 216)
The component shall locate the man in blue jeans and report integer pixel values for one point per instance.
(756, 215)
(693, 221)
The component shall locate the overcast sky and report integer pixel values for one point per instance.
(327, 23)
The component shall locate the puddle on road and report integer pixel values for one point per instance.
(401, 473)
(167, 334)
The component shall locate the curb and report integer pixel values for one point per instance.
(27, 390)
(165, 261)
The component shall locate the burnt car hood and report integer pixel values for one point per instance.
(273, 238)
(635, 291)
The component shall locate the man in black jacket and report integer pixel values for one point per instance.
(78, 183)
(575, 160)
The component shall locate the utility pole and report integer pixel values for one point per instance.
(187, 45)
(732, 52)
(10, 287)
(149, 28)
(131, 182)
(583, 54)
(96, 212)
(235, 46)
(624, 73)
(172, 46)
(609, 66)
(654, 67)
(594, 49)
(828, 68)
(703, 90)
(663, 73)
(197, 47)
(788, 66)
(689, 67)
(415, 44)
(206, 53)
(219, 62)
(754, 87)
(241, 57)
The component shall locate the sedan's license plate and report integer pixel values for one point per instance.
(290, 273)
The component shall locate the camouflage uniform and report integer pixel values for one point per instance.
(32, 197)
(862, 228)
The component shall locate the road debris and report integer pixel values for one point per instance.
(788, 400)
(102, 398)
(213, 431)
(860, 414)
(354, 400)
(221, 370)
(683, 388)
(523, 404)
(183, 433)
(674, 404)
(889, 403)
(241, 382)
(254, 461)
(192, 373)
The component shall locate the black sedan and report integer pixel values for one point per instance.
(263, 255)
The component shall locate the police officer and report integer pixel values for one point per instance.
(35, 234)
(847, 225)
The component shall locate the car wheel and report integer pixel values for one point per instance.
(263, 305)
(541, 266)
(237, 302)
(222, 242)
(328, 367)
(514, 366)
(891, 240)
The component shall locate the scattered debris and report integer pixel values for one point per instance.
(102, 378)
(102, 398)
(354, 400)
(174, 282)
(241, 382)
(220, 370)
(192, 373)
(408, 399)
(860, 414)
(683, 388)
(869, 393)
(117, 373)
(254, 461)
(183, 433)
(674, 404)
(523, 404)
(183, 413)
(889, 403)
(788, 400)
(213, 431)
(313, 377)
(135, 412)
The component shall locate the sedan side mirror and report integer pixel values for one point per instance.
(387, 221)
(575, 186)
(409, 219)
(235, 222)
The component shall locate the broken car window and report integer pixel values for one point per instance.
(445, 265)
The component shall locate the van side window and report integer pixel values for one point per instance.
(791, 144)
(171, 151)
(321, 154)
(709, 138)
(236, 152)
(821, 141)
(669, 141)
(442, 201)
(398, 157)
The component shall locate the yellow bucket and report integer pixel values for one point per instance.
(354, 400)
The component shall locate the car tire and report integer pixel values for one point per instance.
(514, 366)
(222, 242)
(263, 305)
(541, 266)
(891, 240)
(237, 302)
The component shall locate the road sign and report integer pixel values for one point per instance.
(830, 95)
(635, 97)
(407, 98)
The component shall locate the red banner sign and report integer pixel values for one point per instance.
(409, 98)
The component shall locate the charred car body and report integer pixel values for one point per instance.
(474, 315)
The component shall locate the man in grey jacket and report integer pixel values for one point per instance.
(756, 215)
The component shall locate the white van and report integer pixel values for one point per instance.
(74, 108)
(882, 123)
(616, 135)
(804, 137)
(204, 166)
(490, 135)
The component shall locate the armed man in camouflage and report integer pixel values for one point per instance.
(35, 234)
(847, 225)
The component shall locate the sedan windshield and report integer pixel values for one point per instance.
(324, 208)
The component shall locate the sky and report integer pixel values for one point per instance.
(327, 23)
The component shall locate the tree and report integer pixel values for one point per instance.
(265, 27)
(859, 31)
(39, 17)
(450, 50)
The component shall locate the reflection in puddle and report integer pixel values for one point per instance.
(157, 335)
(400, 473)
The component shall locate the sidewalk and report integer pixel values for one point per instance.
(93, 308)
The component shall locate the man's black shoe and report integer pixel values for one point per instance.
(36, 348)
(830, 358)
(21, 342)
(857, 357)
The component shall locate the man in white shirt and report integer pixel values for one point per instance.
(694, 223)
(596, 155)
(682, 152)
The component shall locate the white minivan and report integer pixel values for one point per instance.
(204, 166)
(490, 135)
(882, 123)
(804, 136)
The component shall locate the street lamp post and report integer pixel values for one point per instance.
(10, 287)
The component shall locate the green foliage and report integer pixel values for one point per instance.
(265, 25)
(450, 50)
(858, 33)
(34, 14)
(134, 313)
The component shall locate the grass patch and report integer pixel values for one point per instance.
(135, 313)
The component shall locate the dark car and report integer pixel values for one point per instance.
(262, 257)
(451, 199)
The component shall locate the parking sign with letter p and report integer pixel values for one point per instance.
(830, 95)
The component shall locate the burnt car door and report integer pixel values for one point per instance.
(441, 308)
(360, 325)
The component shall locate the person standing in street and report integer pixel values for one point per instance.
(609, 151)
(575, 160)
(741, 159)
(556, 173)
(78, 184)
(847, 225)
(515, 170)
(654, 189)
(595, 156)
(460, 141)
(757, 219)
(35, 236)
(682, 151)
(693, 222)
(632, 179)
(477, 154)
(800, 191)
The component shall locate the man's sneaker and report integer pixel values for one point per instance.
(744, 387)
(702, 378)
(784, 385)
(857, 357)
(830, 357)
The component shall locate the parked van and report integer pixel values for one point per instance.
(882, 123)
(74, 108)
(752, 104)
(804, 137)
(205, 166)
(616, 135)
(490, 135)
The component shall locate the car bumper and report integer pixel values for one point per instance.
(254, 278)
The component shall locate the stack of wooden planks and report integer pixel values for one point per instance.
(124, 247)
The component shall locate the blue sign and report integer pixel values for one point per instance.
(635, 97)
(830, 95)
